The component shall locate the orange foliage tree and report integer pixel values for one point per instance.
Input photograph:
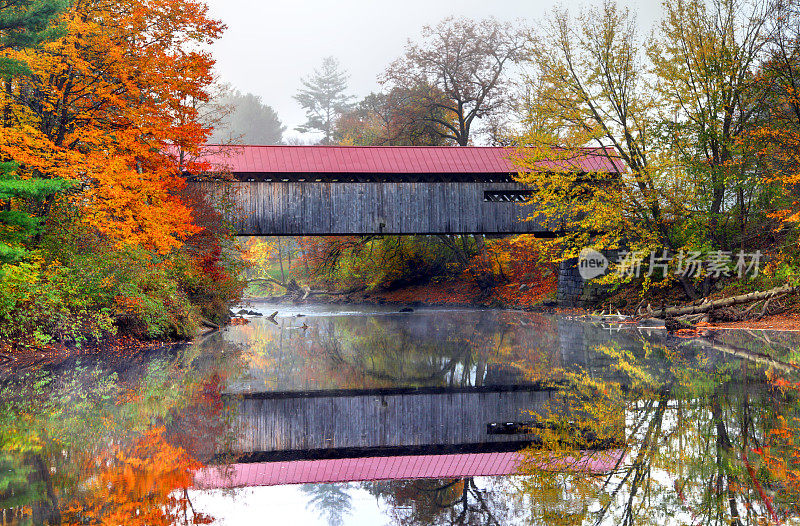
(521, 268)
(777, 132)
(107, 105)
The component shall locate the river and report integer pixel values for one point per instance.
(365, 415)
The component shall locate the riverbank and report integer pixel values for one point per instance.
(775, 322)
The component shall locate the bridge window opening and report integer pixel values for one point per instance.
(509, 428)
(506, 196)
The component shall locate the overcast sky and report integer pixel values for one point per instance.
(269, 45)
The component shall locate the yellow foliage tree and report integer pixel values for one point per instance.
(671, 112)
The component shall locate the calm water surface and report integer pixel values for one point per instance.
(342, 415)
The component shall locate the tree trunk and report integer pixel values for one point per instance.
(304, 255)
(724, 456)
(280, 259)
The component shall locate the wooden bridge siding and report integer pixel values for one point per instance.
(297, 208)
(398, 420)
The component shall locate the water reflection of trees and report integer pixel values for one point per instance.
(332, 501)
(451, 502)
(93, 444)
(708, 439)
(441, 349)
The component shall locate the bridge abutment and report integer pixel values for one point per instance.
(573, 290)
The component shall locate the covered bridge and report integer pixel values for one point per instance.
(359, 190)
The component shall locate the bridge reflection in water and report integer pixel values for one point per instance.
(391, 396)
(399, 467)
(384, 434)
(346, 396)
(319, 424)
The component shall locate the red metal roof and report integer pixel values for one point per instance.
(384, 159)
(386, 468)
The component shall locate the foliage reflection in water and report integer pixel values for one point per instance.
(455, 348)
(111, 442)
(703, 429)
(710, 435)
(636, 427)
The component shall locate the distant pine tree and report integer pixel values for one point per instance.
(23, 24)
(324, 99)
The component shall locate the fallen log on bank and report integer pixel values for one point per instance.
(208, 327)
(209, 324)
(708, 305)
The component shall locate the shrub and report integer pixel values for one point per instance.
(78, 286)
(42, 303)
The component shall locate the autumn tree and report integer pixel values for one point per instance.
(571, 103)
(467, 62)
(399, 117)
(111, 104)
(388, 262)
(777, 129)
(706, 59)
(323, 97)
(671, 113)
(106, 104)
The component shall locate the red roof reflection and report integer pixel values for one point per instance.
(386, 468)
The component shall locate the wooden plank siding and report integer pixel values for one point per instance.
(290, 423)
(336, 208)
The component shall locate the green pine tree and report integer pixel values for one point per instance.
(23, 23)
(324, 99)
